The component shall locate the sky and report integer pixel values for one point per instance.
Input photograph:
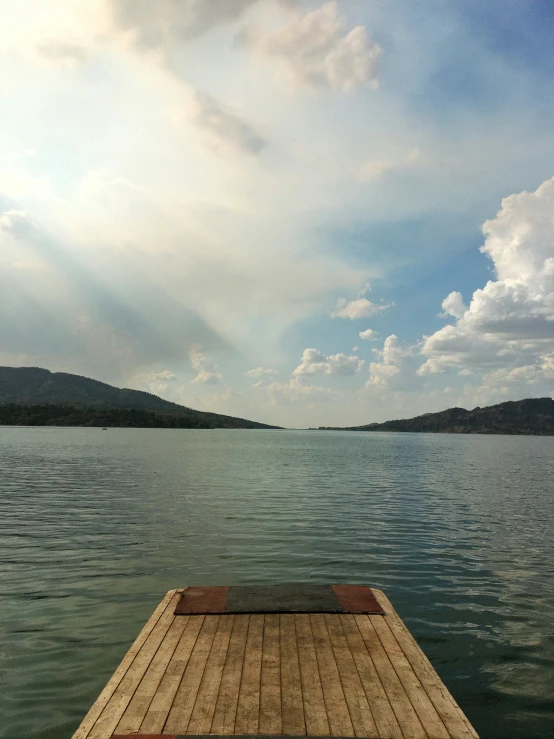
(300, 212)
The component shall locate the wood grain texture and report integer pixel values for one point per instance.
(452, 715)
(338, 714)
(315, 711)
(227, 701)
(309, 674)
(114, 709)
(136, 710)
(385, 719)
(159, 708)
(404, 711)
(248, 709)
(185, 698)
(204, 707)
(356, 699)
(270, 685)
(111, 686)
(293, 721)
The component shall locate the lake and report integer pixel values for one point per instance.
(98, 525)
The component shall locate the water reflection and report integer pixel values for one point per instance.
(97, 526)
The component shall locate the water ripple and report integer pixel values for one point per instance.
(97, 526)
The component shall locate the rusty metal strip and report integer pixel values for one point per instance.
(285, 598)
(202, 600)
(357, 599)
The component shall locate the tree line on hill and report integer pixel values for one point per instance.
(531, 416)
(31, 396)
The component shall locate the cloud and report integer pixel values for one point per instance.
(294, 392)
(165, 24)
(453, 305)
(165, 376)
(375, 169)
(59, 51)
(17, 223)
(208, 373)
(394, 366)
(18, 154)
(223, 127)
(510, 321)
(260, 372)
(535, 380)
(316, 50)
(315, 362)
(356, 309)
(368, 335)
(154, 382)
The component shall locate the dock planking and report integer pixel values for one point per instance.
(338, 673)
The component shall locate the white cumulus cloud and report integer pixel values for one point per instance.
(368, 335)
(509, 322)
(166, 23)
(314, 362)
(317, 51)
(154, 382)
(393, 366)
(356, 309)
(453, 305)
(260, 372)
(208, 373)
(294, 392)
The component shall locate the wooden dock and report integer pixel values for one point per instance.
(220, 661)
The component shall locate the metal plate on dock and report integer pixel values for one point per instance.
(263, 675)
(289, 598)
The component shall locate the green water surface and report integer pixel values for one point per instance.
(95, 526)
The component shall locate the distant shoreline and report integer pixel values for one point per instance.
(529, 417)
(73, 416)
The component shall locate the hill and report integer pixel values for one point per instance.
(32, 396)
(531, 416)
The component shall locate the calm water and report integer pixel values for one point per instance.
(97, 526)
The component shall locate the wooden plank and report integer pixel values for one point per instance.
(270, 684)
(454, 718)
(426, 711)
(112, 684)
(227, 699)
(401, 705)
(136, 710)
(387, 724)
(158, 710)
(185, 698)
(315, 674)
(248, 708)
(338, 714)
(292, 706)
(204, 708)
(356, 699)
(114, 710)
(317, 723)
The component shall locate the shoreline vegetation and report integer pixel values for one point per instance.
(30, 396)
(533, 416)
(47, 414)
